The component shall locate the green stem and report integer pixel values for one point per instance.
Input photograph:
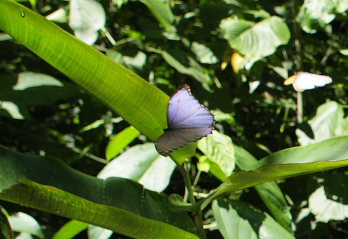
(299, 107)
(197, 215)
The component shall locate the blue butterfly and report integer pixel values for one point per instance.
(188, 121)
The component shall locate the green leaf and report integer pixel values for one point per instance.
(185, 65)
(120, 141)
(325, 155)
(142, 164)
(5, 228)
(270, 193)
(328, 122)
(203, 53)
(328, 201)
(220, 154)
(161, 10)
(70, 230)
(117, 204)
(86, 18)
(255, 40)
(138, 102)
(31, 79)
(240, 220)
(98, 233)
(317, 14)
(22, 222)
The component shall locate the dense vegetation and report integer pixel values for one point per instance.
(78, 127)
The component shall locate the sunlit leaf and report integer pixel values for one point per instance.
(238, 220)
(316, 14)
(31, 79)
(86, 18)
(120, 141)
(219, 152)
(22, 222)
(99, 233)
(328, 122)
(203, 53)
(142, 164)
(70, 230)
(328, 201)
(255, 40)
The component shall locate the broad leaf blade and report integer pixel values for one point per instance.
(325, 155)
(138, 102)
(270, 193)
(117, 204)
(255, 40)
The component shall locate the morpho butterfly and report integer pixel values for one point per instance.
(188, 121)
(302, 81)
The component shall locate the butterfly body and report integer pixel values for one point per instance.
(188, 121)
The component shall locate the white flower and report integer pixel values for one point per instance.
(302, 81)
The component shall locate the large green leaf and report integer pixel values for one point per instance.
(270, 192)
(325, 155)
(255, 40)
(238, 220)
(114, 203)
(138, 102)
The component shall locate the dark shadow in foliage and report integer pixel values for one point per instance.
(307, 129)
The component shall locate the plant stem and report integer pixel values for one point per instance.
(197, 215)
(299, 107)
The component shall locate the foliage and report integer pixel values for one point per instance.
(78, 122)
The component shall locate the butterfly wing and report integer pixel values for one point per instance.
(184, 111)
(307, 81)
(174, 139)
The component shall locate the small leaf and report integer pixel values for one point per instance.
(185, 65)
(86, 18)
(203, 53)
(161, 10)
(5, 228)
(238, 220)
(220, 154)
(70, 230)
(30, 79)
(120, 142)
(22, 222)
(95, 232)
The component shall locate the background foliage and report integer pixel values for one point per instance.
(235, 55)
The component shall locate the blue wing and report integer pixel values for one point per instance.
(184, 111)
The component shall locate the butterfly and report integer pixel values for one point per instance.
(188, 121)
(302, 81)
